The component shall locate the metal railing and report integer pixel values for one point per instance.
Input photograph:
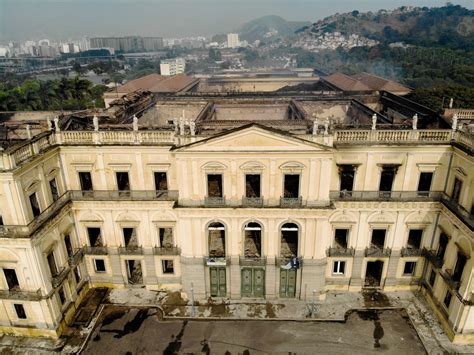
(432, 256)
(252, 201)
(56, 280)
(291, 201)
(166, 251)
(458, 210)
(337, 251)
(75, 258)
(97, 250)
(18, 294)
(385, 195)
(252, 261)
(376, 251)
(130, 250)
(411, 252)
(211, 201)
(129, 195)
(448, 278)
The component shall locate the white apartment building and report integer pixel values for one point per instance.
(233, 40)
(169, 67)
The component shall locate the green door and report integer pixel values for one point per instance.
(287, 283)
(218, 282)
(253, 282)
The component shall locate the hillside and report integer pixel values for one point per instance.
(269, 27)
(451, 26)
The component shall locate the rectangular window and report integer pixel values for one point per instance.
(387, 177)
(68, 245)
(459, 267)
(447, 299)
(378, 238)
(35, 208)
(123, 182)
(52, 264)
(409, 269)
(432, 278)
(62, 296)
(20, 311)
(85, 179)
(168, 267)
(161, 181)
(340, 238)
(99, 265)
(443, 243)
(338, 267)
(130, 237)
(347, 173)
(291, 188)
(414, 238)
(457, 187)
(77, 274)
(214, 185)
(424, 183)
(166, 237)
(12, 279)
(95, 237)
(53, 186)
(252, 185)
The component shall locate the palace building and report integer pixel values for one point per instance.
(237, 196)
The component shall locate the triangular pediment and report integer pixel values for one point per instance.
(253, 138)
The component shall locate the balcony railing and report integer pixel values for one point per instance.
(75, 258)
(340, 251)
(385, 195)
(376, 251)
(166, 251)
(130, 250)
(447, 277)
(131, 195)
(59, 278)
(432, 257)
(212, 201)
(18, 294)
(98, 250)
(291, 202)
(252, 201)
(411, 252)
(252, 261)
(458, 210)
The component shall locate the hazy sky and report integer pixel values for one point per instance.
(63, 19)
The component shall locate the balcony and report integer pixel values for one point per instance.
(211, 201)
(385, 195)
(433, 258)
(166, 251)
(252, 261)
(129, 195)
(411, 252)
(376, 251)
(291, 202)
(458, 210)
(130, 250)
(98, 250)
(448, 278)
(18, 294)
(75, 259)
(252, 201)
(337, 251)
(60, 277)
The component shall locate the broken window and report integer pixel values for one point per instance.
(339, 267)
(130, 237)
(95, 237)
(289, 240)
(424, 183)
(459, 267)
(166, 237)
(443, 243)
(35, 208)
(387, 176)
(347, 173)
(378, 238)
(67, 243)
(52, 264)
(340, 238)
(161, 181)
(99, 265)
(12, 279)
(414, 238)
(20, 311)
(123, 182)
(252, 185)
(410, 267)
(77, 274)
(216, 240)
(457, 187)
(432, 277)
(134, 272)
(62, 296)
(447, 299)
(214, 185)
(291, 186)
(168, 267)
(85, 180)
(53, 186)
(253, 240)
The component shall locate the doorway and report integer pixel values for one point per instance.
(373, 273)
(134, 272)
(287, 283)
(218, 281)
(253, 282)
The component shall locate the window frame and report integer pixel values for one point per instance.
(336, 271)
(94, 261)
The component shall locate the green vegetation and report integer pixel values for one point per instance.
(438, 97)
(64, 94)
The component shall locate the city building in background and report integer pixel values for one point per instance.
(173, 66)
(233, 40)
(128, 43)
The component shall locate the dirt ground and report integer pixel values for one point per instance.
(125, 330)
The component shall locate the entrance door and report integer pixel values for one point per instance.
(218, 282)
(373, 274)
(288, 283)
(253, 282)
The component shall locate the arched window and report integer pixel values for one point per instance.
(216, 240)
(252, 240)
(289, 240)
